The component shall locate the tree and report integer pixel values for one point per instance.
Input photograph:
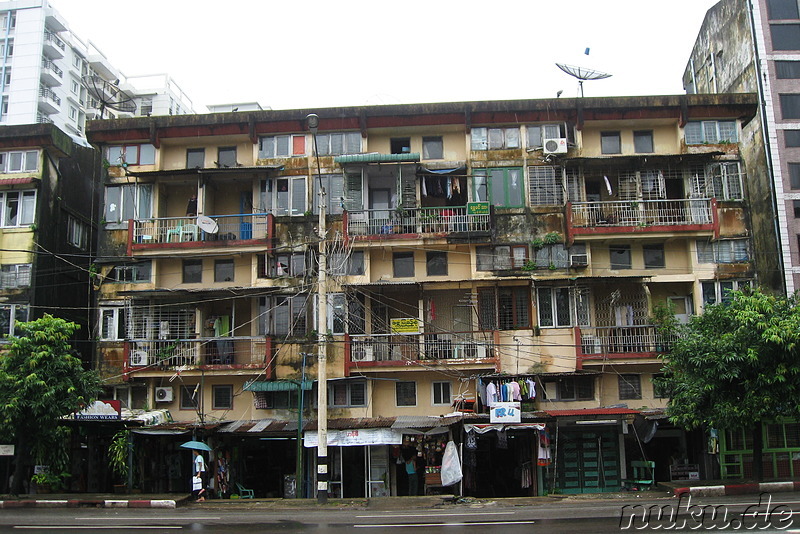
(41, 380)
(736, 366)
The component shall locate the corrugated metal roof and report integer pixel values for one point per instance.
(591, 411)
(278, 385)
(17, 181)
(378, 158)
(424, 421)
(212, 170)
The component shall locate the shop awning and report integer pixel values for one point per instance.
(378, 158)
(356, 437)
(484, 428)
(278, 385)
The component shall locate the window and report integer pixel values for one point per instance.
(283, 315)
(575, 388)
(279, 400)
(223, 270)
(441, 393)
(495, 138)
(143, 154)
(341, 264)
(782, 9)
(538, 133)
(192, 271)
(18, 208)
(77, 233)
(643, 141)
(796, 204)
(436, 263)
(700, 132)
(334, 193)
(132, 272)
(16, 275)
(630, 387)
(406, 393)
(545, 185)
(555, 307)
(790, 106)
(195, 158)
(73, 112)
(505, 308)
(146, 107)
(719, 290)
(18, 161)
(344, 393)
(501, 257)
(226, 156)
(403, 263)
(787, 70)
(660, 390)
(654, 256)
(112, 323)
(785, 36)
(620, 256)
(500, 186)
(337, 143)
(610, 143)
(724, 181)
(281, 146)
(432, 148)
(10, 315)
(400, 145)
(222, 397)
(294, 265)
(284, 196)
(124, 202)
(190, 397)
(791, 138)
(724, 251)
(554, 256)
(337, 313)
(794, 175)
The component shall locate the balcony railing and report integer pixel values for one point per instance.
(48, 94)
(642, 213)
(416, 221)
(185, 229)
(50, 38)
(49, 65)
(600, 341)
(160, 353)
(456, 346)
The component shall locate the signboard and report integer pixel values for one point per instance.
(505, 412)
(6, 450)
(408, 325)
(356, 436)
(109, 410)
(477, 208)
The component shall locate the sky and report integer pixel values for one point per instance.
(328, 53)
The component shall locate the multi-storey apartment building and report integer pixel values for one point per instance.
(43, 70)
(475, 251)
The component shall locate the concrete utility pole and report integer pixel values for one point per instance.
(322, 329)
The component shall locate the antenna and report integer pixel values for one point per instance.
(108, 94)
(582, 73)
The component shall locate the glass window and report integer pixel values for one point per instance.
(500, 186)
(643, 141)
(222, 397)
(190, 397)
(787, 70)
(192, 271)
(125, 202)
(792, 138)
(796, 204)
(790, 106)
(400, 145)
(285, 196)
(334, 193)
(494, 138)
(432, 148)
(347, 393)
(545, 185)
(341, 264)
(610, 143)
(17, 275)
(77, 233)
(654, 256)
(112, 325)
(555, 307)
(282, 146)
(794, 175)
(620, 256)
(195, 158)
(133, 272)
(226, 157)
(338, 143)
(406, 393)
(630, 387)
(403, 263)
(18, 207)
(700, 132)
(782, 9)
(441, 393)
(223, 270)
(436, 263)
(785, 36)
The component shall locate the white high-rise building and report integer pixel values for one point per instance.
(43, 68)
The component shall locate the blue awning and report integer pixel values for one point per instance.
(378, 158)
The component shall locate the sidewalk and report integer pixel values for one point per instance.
(718, 488)
(77, 500)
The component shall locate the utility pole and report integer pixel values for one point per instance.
(322, 328)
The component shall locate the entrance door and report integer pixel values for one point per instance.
(380, 204)
(378, 471)
(682, 307)
(588, 462)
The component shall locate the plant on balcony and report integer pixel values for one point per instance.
(551, 238)
(530, 265)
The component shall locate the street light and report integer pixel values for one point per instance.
(312, 120)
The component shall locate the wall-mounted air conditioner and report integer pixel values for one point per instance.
(590, 344)
(138, 358)
(579, 260)
(555, 146)
(164, 394)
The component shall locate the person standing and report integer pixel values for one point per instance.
(411, 471)
(200, 472)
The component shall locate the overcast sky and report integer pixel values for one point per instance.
(317, 53)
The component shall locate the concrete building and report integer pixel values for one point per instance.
(44, 68)
(508, 246)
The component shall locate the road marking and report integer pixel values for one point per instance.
(138, 518)
(438, 515)
(96, 527)
(466, 524)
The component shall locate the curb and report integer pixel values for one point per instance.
(737, 489)
(76, 503)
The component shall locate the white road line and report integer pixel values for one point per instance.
(96, 527)
(138, 518)
(468, 524)
(438, 515)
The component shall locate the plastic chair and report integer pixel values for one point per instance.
(642, 475)
(245, 493)
(189, 232)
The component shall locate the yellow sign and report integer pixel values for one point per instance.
(407, 325)
(478, 208)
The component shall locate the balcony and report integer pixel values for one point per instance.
(634, 216)
(184, 232)
(53, 47)
(49, 102)
(381, 223)
(51, 75)
(620, 342)
(399, 351)
(202, 353)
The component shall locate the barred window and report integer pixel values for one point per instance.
(546, 187)
(630, 387)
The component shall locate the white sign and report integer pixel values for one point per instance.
(356, 436)
(505, 412)
(6, 450)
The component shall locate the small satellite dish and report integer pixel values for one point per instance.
(207, 224)
(582, 73)
(108, 95)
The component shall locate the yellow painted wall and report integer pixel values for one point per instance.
(666, 137)
(452, 142)
(384, 397)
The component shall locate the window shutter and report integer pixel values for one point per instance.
(353, 193)
(408, 189)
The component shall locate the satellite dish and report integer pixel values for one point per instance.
(582, 73)
(207, 224)
(108, 95)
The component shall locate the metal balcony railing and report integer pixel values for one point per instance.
(161, 353)
(47, 64)
(642, 213)
(414, 347)
(416, 221)
(185, 229)
(48, 94)
(51, 38)
(600, 340)
(41, 118)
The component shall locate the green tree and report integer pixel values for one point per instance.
(41, 380)
(736, 366)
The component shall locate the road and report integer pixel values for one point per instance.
(778, 513)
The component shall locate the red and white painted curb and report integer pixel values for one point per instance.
(100, 503)
(738, 489)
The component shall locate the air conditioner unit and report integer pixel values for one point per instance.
(138, 358)
(579, 260)
(364, 353)
(590, 344)
(164, 394)
(555, 146)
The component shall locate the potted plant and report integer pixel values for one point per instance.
(47, 482)
(118, 458)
